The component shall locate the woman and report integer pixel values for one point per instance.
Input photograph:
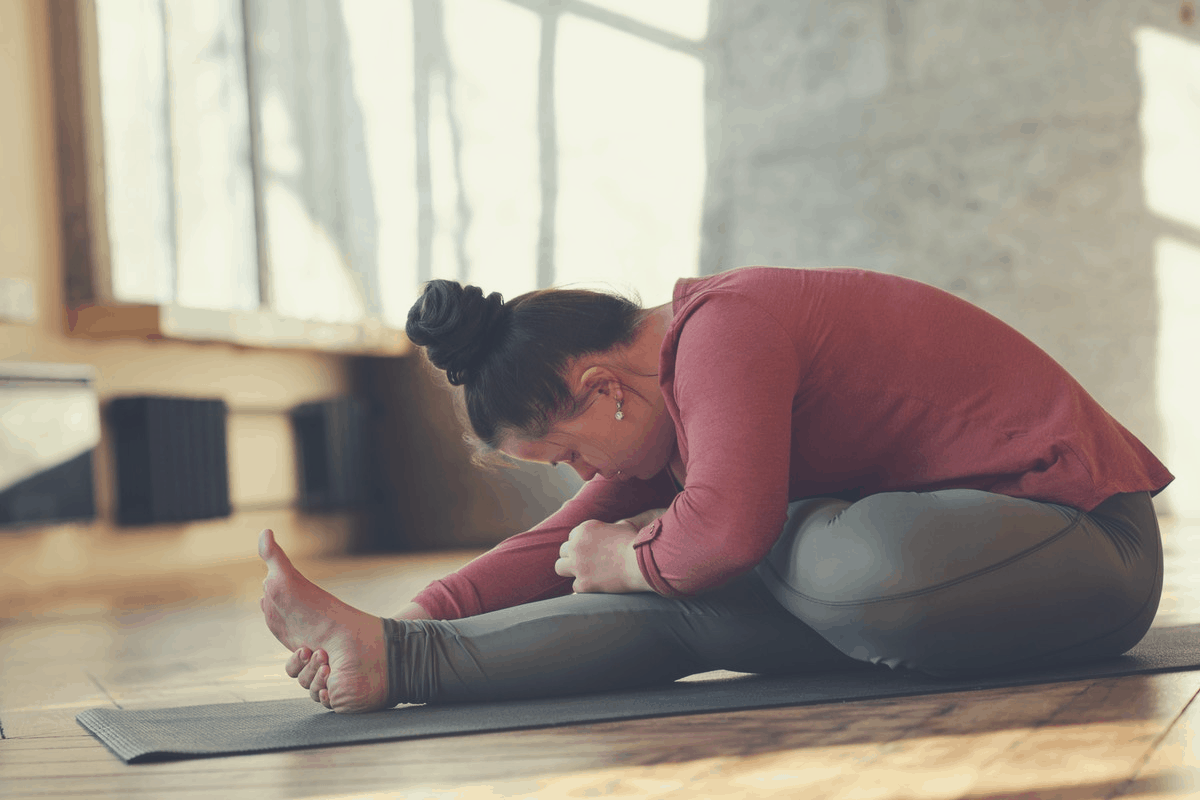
(786, 470)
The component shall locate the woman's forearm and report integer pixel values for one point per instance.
(521, 569)
(637, 522)
(645, 518)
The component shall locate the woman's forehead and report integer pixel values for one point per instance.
(547, 448)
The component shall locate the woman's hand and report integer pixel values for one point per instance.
(311, 667)
(600, 557)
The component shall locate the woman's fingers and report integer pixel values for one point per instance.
(317, 689)
(565, 566)
(601, 558)
(309, 673)
(296, 661)
(311, 669)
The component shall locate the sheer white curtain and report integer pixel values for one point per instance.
(322, 158)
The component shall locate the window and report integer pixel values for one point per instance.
(289, 172)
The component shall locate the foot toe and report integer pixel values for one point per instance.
(297, 662)
(270, 552)
(266, 543)
(309, 673)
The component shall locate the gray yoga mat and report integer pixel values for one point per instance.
(233, 728)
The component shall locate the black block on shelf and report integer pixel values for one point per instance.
(171, 457)
(332, 454)
(59, 493)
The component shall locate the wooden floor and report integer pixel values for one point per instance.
(160, 646)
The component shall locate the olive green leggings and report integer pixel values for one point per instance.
(952, 582)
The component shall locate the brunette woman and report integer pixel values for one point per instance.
(786, 470)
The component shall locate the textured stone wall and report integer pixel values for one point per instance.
(992, 149)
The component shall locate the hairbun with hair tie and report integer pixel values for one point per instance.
(458, 327)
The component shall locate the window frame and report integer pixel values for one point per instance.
(93, 309)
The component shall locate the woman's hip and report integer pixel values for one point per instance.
(963, 580)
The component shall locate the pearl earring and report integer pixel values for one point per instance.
(620, 415)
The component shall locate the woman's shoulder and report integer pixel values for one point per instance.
(804, 294)
(751, 303)
(803, 307)
(769, 281)
(733, 280)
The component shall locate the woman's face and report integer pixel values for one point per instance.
(596, 443)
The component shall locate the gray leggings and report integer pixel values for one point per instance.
(954, 582)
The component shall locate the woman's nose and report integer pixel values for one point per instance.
(586, 471)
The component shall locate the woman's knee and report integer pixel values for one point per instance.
(836, 552)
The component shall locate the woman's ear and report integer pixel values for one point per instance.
(600, 379)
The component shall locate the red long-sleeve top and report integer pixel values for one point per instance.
(789, 383)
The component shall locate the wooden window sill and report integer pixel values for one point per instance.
(246, 328)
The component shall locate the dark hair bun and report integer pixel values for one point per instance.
(457, 326)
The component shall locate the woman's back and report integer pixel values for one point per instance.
(902, 386)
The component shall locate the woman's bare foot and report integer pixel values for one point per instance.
(345, 667)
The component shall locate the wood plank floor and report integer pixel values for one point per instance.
(199, 639)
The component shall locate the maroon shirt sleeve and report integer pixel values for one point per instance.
(521, 568)
(730, 388)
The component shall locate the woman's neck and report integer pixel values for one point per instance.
(643, 354)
